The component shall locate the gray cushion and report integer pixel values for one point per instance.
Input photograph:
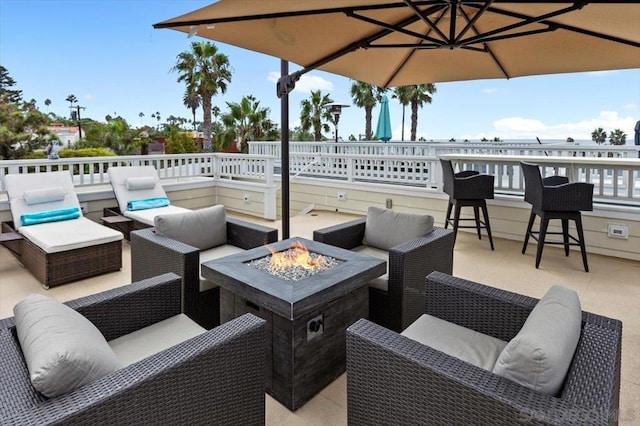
(540, 354)
(463, 343)
(139, 183)
(155, 338)
(63, 350)
(204, 229)
(385, 228)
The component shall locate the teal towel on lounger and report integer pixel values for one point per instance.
(49, 216)
(148, 203)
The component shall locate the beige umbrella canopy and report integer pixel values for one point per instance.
(394, 43)
(402, 42)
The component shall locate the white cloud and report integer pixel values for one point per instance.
(630, 106)
(528, 128)
(489, 91)
(306, 84)
(602, 73)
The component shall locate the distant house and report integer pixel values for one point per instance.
(67, 135)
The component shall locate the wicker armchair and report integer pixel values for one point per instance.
(153, 254)
(214, 378)
(555, 198)
(467, 188)
(393, 380)
(409, 263)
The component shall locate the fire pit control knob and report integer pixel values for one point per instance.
(315, 325)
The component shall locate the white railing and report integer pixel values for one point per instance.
(93, 170)
(435, 149)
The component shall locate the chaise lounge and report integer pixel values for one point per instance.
(140, 198)
(50, 236)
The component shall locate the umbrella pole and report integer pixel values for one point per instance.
(284, 152)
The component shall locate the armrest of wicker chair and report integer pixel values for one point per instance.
(409, 264)
(216, 377)
(555, 180)
(247, 235)
(575, 196)
(394, 380)
(466, 173)
(346, 235)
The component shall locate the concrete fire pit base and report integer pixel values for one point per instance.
(306, 319)
(297, 368)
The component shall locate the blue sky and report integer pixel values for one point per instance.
(107, 54)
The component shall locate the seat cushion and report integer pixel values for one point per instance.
(539, 356)
(215, 253)
(386, 228)
(155, 338)
(63, 350)
(381, 282)
(71, 234)
(463, 343)
(205, 228)
(148, 215)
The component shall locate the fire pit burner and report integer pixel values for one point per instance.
(294, 263)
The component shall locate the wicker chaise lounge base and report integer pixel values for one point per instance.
(393, 380)
(53, 269)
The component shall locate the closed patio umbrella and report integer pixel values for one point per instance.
(395, 43)
(383, 129)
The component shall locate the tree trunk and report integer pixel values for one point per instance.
(207, 146)
(414, 120)
(403, 109)
(367, 121)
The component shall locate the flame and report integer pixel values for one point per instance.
(296, 256)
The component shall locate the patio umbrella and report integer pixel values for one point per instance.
(395, 43)
(383, 130)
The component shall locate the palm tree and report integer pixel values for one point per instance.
(617, 137)
(157, 116)
(402, 94)
(418, 96)
(192, 101)
(71, 99)
(315, 115)
(141, 115)
(206, 72)
(366, 96)
(599, 136)
(47, 102)
(245, 121)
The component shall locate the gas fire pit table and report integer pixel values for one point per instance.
(306, 319)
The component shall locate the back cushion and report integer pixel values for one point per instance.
(385, 228)
(63, 350)
(540, 355)
(204, 228)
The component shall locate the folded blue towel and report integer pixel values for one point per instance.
(148, 203)
(49, 216)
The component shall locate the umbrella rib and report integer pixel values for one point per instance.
(472, 21)
(393, 28)
(526, 20)
(487, 49)
(566, 27)
(423, 16)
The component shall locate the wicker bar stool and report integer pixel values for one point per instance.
(467, 189)
(555, 198)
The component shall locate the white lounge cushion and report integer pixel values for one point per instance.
(118, 178)
(205, 228)
(381, 282)
(539, 356)
(386, 228)
(24, 187)
(147, 216)
(155, 338)
(463, 343)
(71, 234)
(63, 350)
(211, 254)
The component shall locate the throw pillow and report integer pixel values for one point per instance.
(539, 356)
(44, 195)
(139, 183)
(63, 350)
(205, 228)
(385, 228)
